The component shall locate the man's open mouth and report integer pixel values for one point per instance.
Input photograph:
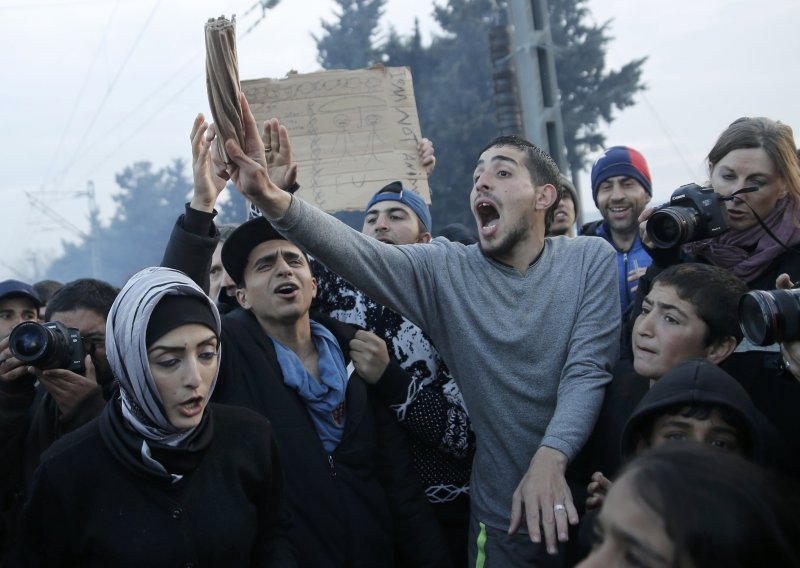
(287, 289)
(488, 215)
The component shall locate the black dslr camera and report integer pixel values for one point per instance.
(693, 213)
(50, 345)
(770, 316)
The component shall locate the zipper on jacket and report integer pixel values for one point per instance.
(333, 467)
(625, 282)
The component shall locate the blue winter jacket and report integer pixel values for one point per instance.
(635, 257)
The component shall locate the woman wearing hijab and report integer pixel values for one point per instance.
(160, 478)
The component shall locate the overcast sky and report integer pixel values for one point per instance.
(91, 86)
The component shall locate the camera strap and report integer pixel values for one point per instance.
(734, 197)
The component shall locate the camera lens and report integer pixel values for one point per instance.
(28, 341)
(769, 317)
(672, 226)
(47, 346)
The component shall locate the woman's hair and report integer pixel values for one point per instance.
(718, 509)
(774, 137)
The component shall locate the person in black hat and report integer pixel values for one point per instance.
(349, 476)
(18, 302)
(532, 378)
(425, 398)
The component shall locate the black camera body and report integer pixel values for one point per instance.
(50, 345)
(693, 213)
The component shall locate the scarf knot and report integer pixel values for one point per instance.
(324, 398)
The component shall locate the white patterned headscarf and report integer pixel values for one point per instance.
(126, 348)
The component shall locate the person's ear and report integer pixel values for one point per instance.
(784, 189)
(546, 196)
(718, 351)
(424, 237)
(241, 297)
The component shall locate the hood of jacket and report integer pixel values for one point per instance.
(694, 382)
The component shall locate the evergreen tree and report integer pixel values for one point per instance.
(452, 83)
(589, 92)
(456, 104)
(348, 42)
(146, 209)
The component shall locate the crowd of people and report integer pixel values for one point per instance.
(293, 392)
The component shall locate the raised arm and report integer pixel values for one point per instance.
(278, 152)
(193, 239)
(207, 184)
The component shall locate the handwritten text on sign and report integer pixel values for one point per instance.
(352, 132)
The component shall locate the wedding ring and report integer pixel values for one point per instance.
(559, 507)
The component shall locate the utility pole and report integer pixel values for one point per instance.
(94, 214)
(537, 87)
(65, 223)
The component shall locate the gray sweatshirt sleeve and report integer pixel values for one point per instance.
(395, 276)
(592, 353)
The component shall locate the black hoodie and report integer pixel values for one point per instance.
(696, 382)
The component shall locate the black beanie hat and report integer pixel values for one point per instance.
(175, 311)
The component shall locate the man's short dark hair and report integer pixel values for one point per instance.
(82, 294)
(713, 291)
(541, 167)
(46, 289)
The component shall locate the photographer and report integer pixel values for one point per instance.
(757, 154)
(754, 169)
(38, 406)
(161, 477)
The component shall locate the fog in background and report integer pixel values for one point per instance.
(90, 87)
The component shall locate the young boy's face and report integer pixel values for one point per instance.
(666, 333)
(713, 431)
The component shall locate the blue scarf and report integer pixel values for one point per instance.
(324, 398)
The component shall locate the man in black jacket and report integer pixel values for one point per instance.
(349, 477)
(38, 406)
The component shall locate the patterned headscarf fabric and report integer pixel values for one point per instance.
(126, 349)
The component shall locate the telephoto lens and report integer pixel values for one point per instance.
(768, 317)
(51, 345)
(672, 226)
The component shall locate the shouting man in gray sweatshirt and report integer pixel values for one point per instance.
(529, 326)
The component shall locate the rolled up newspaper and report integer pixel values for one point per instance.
(222, 81)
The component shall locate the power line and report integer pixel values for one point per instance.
(657, 118)
(69, 4)
(110, 90)
(79, 98)
(146, 121)
(138, 108)
(142, 103)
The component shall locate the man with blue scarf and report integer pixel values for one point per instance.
(349, 477)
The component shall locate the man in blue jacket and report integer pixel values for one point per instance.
(621, 189)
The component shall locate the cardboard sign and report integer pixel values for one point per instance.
(352, 132)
